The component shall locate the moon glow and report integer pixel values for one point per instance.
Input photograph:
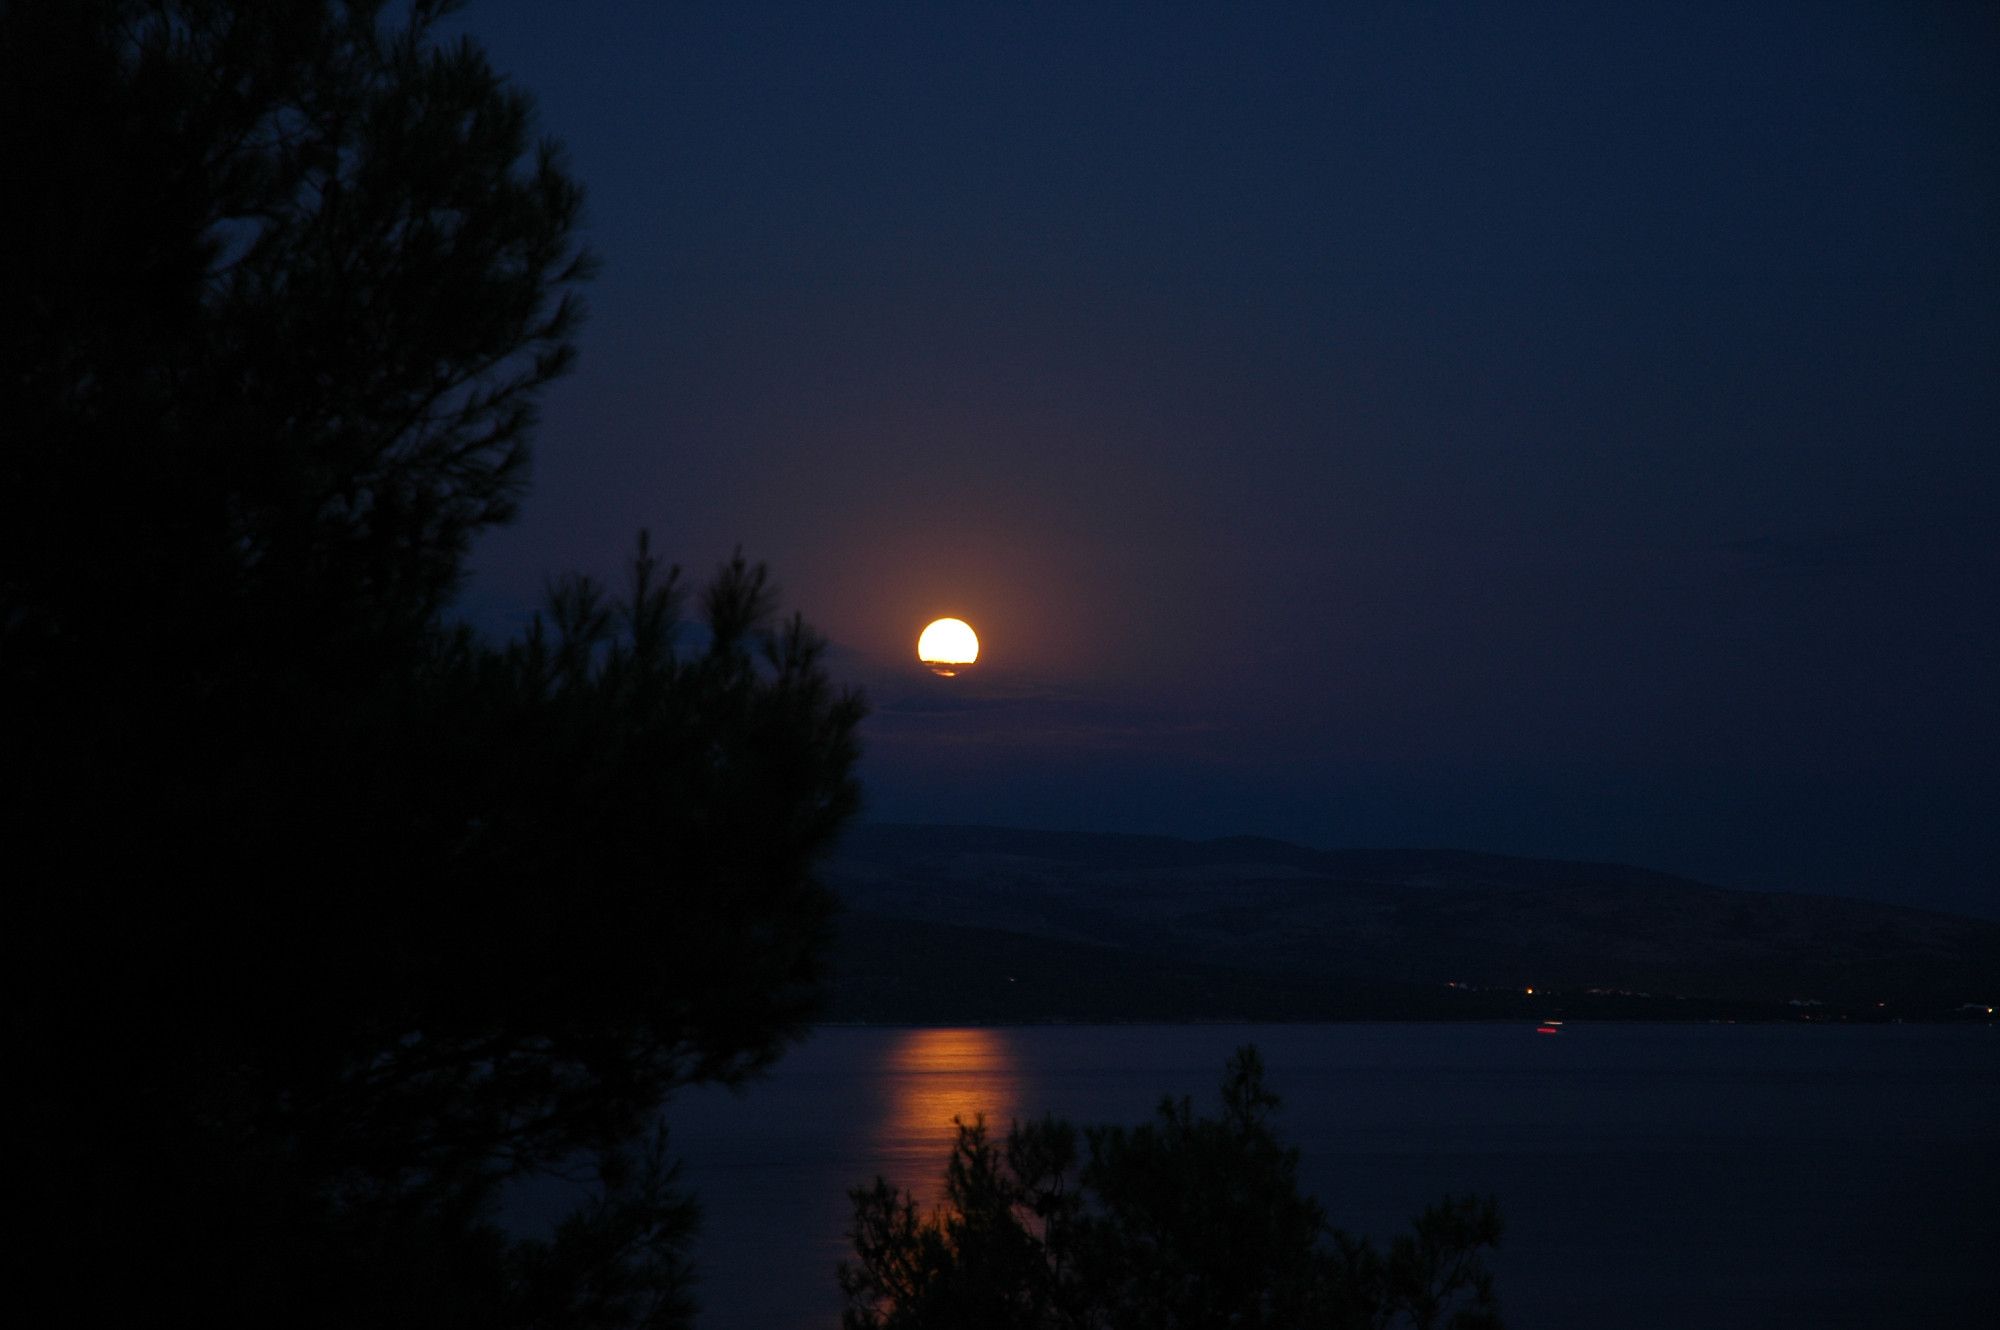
(948, 646)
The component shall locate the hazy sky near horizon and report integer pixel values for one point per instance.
(1552, 429)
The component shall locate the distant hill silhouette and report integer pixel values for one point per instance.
(988, 923)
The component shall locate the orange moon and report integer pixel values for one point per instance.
(948, 646)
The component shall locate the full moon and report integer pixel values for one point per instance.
(948, 646)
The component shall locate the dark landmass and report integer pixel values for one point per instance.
(983, 924)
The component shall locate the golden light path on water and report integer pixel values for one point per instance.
(931, 1077)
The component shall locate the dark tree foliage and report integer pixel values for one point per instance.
(1185, 1221)
(289, 284)
(327, 921)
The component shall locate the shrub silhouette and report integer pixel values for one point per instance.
(1184, 1221)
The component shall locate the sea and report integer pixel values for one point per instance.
(1648, 1175)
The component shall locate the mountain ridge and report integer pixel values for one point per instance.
(1341, 923)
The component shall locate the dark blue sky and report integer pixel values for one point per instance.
(1563, 430)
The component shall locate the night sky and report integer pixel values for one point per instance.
(1562, 430)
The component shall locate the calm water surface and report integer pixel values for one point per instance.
(1649, 1175)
